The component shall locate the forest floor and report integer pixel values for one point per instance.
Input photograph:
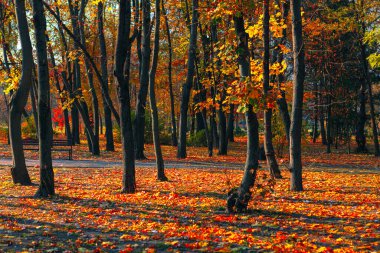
(339, 211)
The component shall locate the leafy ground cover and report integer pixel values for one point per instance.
(338, 211)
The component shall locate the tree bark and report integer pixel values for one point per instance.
(186, 87)
(103, 64)
(281, 101)
(45, 131)
(298, 90)
(19, 99)
(90, 77)
(322, 115)
(370, 96)
(153, 105)
(139, 130)
(268, 144)
(230, 124)
(223, 139)
(171, 94)
(238, 199)
(122, 62)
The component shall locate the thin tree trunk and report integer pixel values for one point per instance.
(95, 103)
(139, 129)
(186, 87)
(83, 111)
(315, 125)
(153, 105)
(281, 101)
(298, 90)
(322, 115)
(171, 94)
(370, 97)
(223, 139)
(103, 63)
(230, 124)
(329, 120)
(19, 99)
(268, 144)
(45, 131)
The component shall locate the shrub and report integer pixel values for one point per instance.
(199, 139)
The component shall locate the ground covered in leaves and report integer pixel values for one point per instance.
(338, 211)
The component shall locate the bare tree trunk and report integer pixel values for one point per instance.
(322, 115)
(281, 101)
(315, 125)
(103, 63)
(329, 120)
(298, 89)
(370, 96)
(171, 94)
(122, 63)
(45, 131)
(95, 103)
(186, 87)
(223, 139)
(139, 129)
(230, 124)
(153, 105)
(19, 99)
(268, 144)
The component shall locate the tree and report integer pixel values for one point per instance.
(170, 79)
(298, 90)
(103, 65)
(45, 130)
(122, 63)
(186, 87)
(268, 145)
(238, 199)
(153, 105)
(139, 129)
(19, 99)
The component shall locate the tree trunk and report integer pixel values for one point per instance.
(360, 135)
(186, 87)
(329, 120)
(230, 124)
(171, 94)
(103, 63)
(19, 99)
(122, 62)
(223, 139)
(298, 89)
(322, 115)
(90, 77)
(238, 199)
(281, 101)
(153, 105)
(45, 131)
(139, 129)
(315, 125)
(83, 111)
(370, 96)
(268, 144)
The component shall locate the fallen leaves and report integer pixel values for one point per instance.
(338, 212)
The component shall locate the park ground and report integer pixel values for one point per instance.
(339, 211)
